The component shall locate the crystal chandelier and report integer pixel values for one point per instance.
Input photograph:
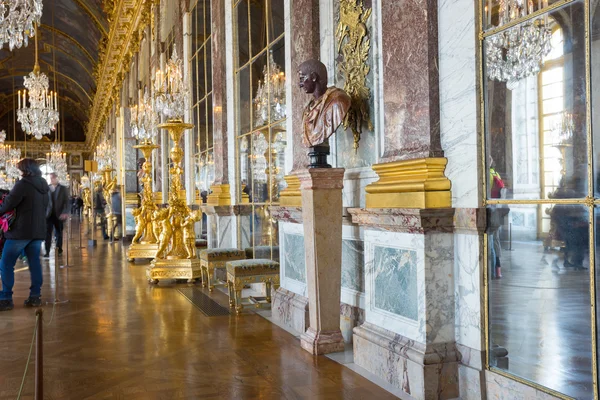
(144, 119)
(271, 91)
(170, 90)
(105, 155)
(12, 172)
(42, 115)
(259, 161)
(57, 161)
(4, 149)
(17, 19)
(517, 52)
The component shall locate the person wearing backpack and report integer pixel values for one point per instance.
(29, 198)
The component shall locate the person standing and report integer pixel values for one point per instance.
(59, 213)
(117, 215)
(29, 198)
(99, 204)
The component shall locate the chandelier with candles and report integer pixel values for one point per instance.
(517, 52)
(17, 19)
(170, 90)
(144, 119)
(105, 154)
(41, 116)
(270, 95)
(57, 161)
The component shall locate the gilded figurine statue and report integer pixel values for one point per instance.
(140, 222)
(162, 216)
(323, 114)
(189, 233)
(87, 204)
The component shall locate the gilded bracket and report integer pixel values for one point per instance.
(354, 45)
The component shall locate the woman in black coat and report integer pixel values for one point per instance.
(29, 197)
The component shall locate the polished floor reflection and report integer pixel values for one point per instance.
(120, 338)
(540, 312)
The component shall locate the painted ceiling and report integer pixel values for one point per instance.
(68, 39)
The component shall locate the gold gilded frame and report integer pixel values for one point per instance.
(589, 201)
(201, 104)
(267, 128)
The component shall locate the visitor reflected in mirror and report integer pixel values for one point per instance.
(572, 222)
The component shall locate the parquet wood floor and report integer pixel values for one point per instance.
(120, 338)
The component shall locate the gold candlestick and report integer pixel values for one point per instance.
(145, 241)
(176, 258)
(109, 182)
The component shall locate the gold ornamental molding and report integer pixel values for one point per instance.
(44, 147)
(220, 196)
(354, 46)
(127, 19)
(291, 196)
(418, 183)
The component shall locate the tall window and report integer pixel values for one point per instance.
(555, 149)
(202, 94)
(260, 119)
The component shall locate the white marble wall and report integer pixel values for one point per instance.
(458, 99)
(502, 388)
(407, 253)
(468, 288)
(290, 258)
(220, 231)
(438, 292)
(355, 182)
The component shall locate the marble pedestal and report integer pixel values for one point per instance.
(421, 371)
(322, 217)
(220, 226)
(409, 336)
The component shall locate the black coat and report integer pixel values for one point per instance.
(30, 198)
(60, 205)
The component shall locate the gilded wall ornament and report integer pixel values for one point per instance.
(354, 45)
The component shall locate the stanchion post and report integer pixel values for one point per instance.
(56, 283)
(68, 242)
(80, 234)
(39, 355)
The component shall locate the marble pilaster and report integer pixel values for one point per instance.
(221, 226)
(190, 170)
(322, 219)
(302, 39)
(409, 35)
(219, 92)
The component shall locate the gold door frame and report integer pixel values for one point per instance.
(589, 201)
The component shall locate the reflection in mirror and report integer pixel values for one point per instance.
(540, 325)
(535, 126)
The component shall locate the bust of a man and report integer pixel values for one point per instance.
(327, 110)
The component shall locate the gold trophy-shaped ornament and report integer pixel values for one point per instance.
(145, 241)
(175, 258)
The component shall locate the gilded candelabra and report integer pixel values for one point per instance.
(145, 241)
(176, 255)
(109, 182)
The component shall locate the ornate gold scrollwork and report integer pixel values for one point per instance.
(354, 45)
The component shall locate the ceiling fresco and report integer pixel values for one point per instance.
(68, 38)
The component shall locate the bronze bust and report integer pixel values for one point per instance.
(323, 114)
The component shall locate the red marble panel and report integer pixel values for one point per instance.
(219, 83)
(410, 76)
(306, 45)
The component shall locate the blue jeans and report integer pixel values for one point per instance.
(12, 250)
